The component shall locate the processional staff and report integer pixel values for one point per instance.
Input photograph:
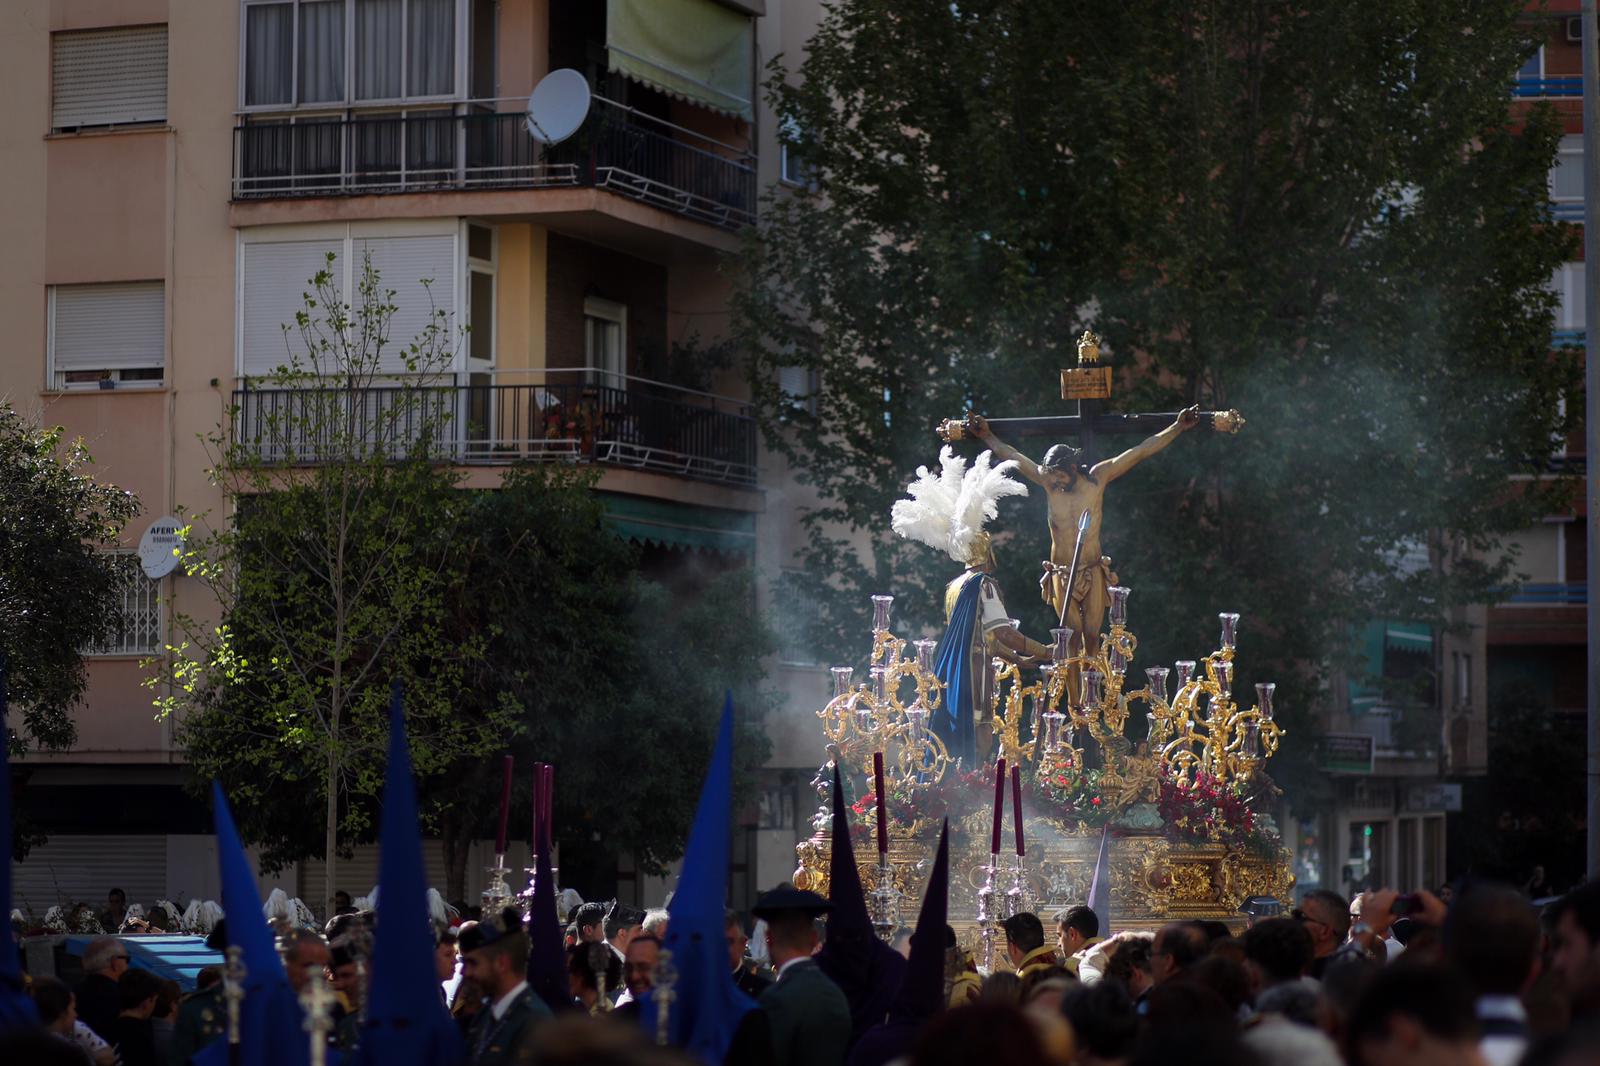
(233, 975)
(317, 1000)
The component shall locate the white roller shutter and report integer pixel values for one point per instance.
(74, 869)
(358, 874)
(402, 263)
(108, 77)
(108, 327)
(275, 279)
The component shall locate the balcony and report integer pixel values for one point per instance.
(617, 149)
(580, 416)
(1535, 87)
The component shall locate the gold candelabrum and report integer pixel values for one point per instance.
(1083, 694)
(889, 713)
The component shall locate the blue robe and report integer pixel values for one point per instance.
(953, 663)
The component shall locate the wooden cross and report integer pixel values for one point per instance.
(1089, 385)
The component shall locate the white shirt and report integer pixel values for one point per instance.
(503, 1004)
(1503, 1049)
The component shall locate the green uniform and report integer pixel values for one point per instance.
(809, 1018)
(509, 1039)
(202, 1017)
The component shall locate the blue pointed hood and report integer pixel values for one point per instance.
(547, 954)
(16, 1008)
(271, 1024)
(407, 1023)
(707, 1005)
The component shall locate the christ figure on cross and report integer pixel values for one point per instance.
(1073, 488)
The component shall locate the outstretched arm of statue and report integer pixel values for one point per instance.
(1014, 647)
(978, 426)
(1113, 468)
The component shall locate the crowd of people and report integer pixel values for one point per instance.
(1484, 980)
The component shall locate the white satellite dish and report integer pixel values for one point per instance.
(558, 106)
(161, 547)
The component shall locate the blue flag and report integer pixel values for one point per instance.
(406, 1023)
(16, 1008)
(271, 1024)
(707, 1005)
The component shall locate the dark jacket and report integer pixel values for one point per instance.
(202, 1018)
(750, 982)
(510, 1039)
(809, 1018)
(135, 1041)
(97, 1004)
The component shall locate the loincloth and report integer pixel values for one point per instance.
(1089, 576)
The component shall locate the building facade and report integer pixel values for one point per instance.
(177, 170)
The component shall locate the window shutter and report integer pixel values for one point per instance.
(109, 327)
(69, 868)
(402, 263)
(105, 77)
(276, 278)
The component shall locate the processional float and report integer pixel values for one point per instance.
(1177, 793)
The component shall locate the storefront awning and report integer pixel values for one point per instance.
(695, 50)
(680, 525)
(1408, 636)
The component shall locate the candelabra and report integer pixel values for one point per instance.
(1017, 895)
(497, 893)
(885, 900)
(890, 713)
(988, 921)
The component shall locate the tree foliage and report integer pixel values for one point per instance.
(333, 576)
(1319, 214)
(60, 593)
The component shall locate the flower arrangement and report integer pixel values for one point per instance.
(957, 794)
(1209, 811)
(1070, 792)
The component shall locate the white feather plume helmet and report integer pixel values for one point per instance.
(948, 510)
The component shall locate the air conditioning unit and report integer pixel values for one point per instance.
(1574, 28)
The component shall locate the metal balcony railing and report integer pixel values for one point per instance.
(581, 416)
(480, 148)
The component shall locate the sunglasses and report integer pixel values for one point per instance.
(1301, 916)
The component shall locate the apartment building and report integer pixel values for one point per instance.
(177, 169)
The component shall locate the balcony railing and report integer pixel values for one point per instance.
(1551, 594)
(1534, 87)
(479, 148)
(581, 416)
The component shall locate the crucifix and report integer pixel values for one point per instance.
(1075, 483)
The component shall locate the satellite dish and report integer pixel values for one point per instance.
(558, 106)
(161, 547)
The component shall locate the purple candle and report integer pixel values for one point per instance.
(538, 806)
(883, 808)
(548, 799)
(505, 806)
(1016, 806)
(999, 805)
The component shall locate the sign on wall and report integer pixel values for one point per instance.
(1346, 753)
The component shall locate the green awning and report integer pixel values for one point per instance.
(680, 525)
(1408, 636)
(696, 50)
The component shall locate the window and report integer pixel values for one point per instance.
(1566, 177)
(480, 295)
(1463, 666)
(792, 170)
(1532, 68)
(1568, 283)
(140, 632)
(102, 336)
(605, 333)
(341, 51)
(798, 613)
(275, 275)
(108, 77)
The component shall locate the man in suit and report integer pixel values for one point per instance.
(105, 960)
(808, 1016)
(494, 955)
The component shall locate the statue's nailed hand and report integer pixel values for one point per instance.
(1189, 417)
(977, 425)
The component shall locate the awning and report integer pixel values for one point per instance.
(680, 525)
(1408, 636)
(695, 50)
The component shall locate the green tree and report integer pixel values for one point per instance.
(1320, 215)
(333, 576)
(615, 678)
(60, 593)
